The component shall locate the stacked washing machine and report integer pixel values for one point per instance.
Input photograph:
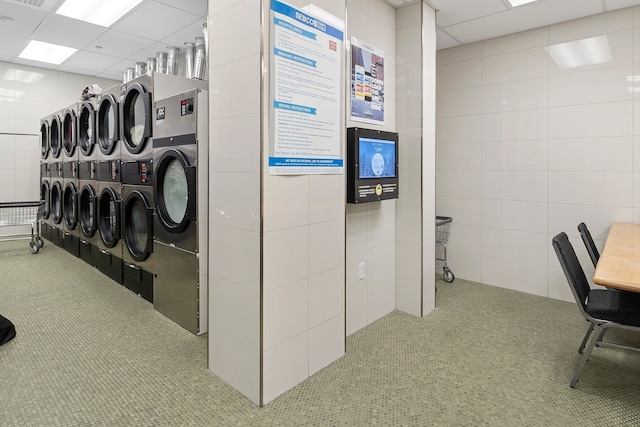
(71, 233)
(87, 188)
(45, 178)
(57, 186)
(180, 227)
(108, 185)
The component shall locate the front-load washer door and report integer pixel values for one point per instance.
(136, 118)
(108, 124)
(70, 206)
(56, 202)
(175, 191)
(69, 133)
(44, 140)
(87, 211)
(45, 192)
(138, 226)
(86, 129)
(55, 137)
(109, 217)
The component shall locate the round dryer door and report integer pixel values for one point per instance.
(108, 124)
(45, 191)
(86, 129)
(136, 118)
(44, 140)
(70, 206)
(69, 133)
(55, 135)
(138, 226)
(175, 191)
(56, 202)
(109, 217)
(87, 209)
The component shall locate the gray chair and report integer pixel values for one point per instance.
(589, 243)
(603, 308)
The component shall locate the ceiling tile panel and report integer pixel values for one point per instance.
(91, 61)
(155, 21)
(25, 19)
(58, 29)
(11, 45)
(195, 7)
(451, 12)
(187, 34)
(619, 4)
(116, 43)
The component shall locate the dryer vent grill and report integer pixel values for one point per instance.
(37, 4)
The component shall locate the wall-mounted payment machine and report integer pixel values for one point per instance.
(372, 165)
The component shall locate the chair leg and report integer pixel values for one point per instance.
(586, 336)
(601, 330)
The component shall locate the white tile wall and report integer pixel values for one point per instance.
(558, 148)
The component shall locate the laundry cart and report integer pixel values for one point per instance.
(442, 236)
(23, 213)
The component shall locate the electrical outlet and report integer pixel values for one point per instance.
(361, 271)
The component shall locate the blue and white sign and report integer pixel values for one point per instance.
(306, 114)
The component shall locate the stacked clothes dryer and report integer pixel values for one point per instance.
(57, 187)
(88, 196)
(108, 185)
(180, 228)
(137, 136)
(71, 239)
(45, 178)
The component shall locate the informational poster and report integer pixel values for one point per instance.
(306, 124)
(367, 83)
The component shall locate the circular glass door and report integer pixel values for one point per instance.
(45, 190)
(108, 129)
(56, 202)
(70, 206)
(56, 137)
(86, 129)
(138, 226)
(44, 140)
(87, 207)
(69, 133)
(109, 217)
(175, 191)
(136, 118)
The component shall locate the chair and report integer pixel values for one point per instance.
(589, 243)
(603, 308)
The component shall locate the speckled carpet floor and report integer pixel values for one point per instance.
(89, 352)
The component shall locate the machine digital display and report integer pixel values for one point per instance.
(377, 158)
(372, 165)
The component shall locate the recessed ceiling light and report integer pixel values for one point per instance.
(46, 52)
(6, 19)
(99, 12)
(515, 3)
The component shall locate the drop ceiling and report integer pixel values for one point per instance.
(154, 25)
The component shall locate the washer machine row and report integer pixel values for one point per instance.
(45, 177)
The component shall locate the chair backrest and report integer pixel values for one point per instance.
(572, 270)
(589, 243)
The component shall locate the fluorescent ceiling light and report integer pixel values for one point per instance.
(99, 12)
(46, 52)
(515, 3)
(593, 50)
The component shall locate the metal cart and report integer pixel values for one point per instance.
(442, 236)
(23, 213)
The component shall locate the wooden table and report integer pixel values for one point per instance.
(619, 263)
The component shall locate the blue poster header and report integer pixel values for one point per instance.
(320, 163)
(305, 19)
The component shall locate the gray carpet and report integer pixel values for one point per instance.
(89, 352)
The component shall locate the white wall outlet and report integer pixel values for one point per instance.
(361, 271)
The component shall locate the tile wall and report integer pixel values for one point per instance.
(370, 227)
(26, 95)
(526, 149)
